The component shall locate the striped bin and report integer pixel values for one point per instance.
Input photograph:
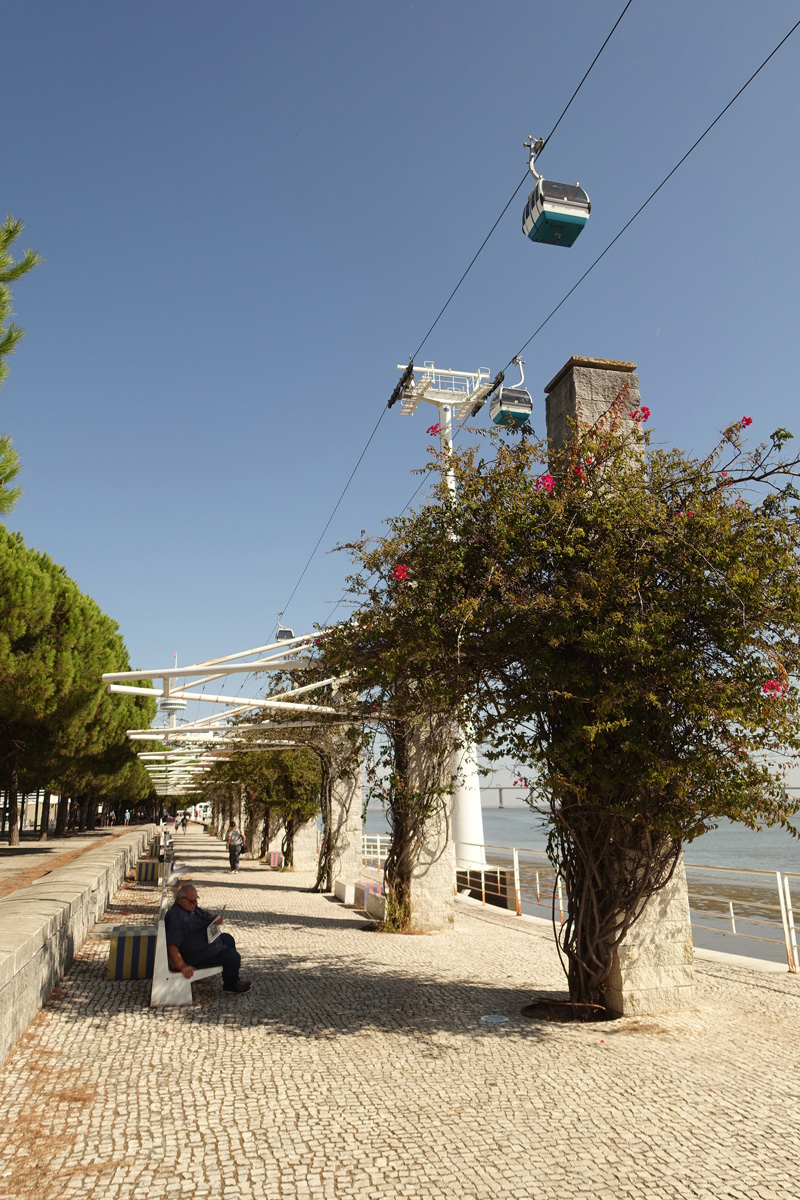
(147, 870)
(274, 859)
(132, 952)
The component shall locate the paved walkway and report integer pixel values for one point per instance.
(359, 1068)
(21, 865)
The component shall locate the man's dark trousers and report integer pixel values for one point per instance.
(221, 952)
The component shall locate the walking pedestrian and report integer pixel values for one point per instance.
(234, 844)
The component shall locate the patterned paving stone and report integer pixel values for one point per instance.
(358, 1066)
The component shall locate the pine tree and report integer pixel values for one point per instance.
(10, 335)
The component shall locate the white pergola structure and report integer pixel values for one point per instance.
(194, 746)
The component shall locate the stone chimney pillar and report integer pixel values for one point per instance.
(653, 966)
(584, 390)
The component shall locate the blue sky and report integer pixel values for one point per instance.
(249, 213)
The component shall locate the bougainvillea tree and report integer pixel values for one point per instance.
(622, 621)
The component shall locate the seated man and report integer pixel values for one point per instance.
(186, 926)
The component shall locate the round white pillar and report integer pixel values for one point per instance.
(467, 815)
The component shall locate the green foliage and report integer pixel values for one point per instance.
(624, 626)
(9, 469)
(58, 725)
(10, 335)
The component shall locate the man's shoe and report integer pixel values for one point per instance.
(239, 987)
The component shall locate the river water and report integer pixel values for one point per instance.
(728, 866)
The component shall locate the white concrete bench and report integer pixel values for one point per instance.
(362, 892)
(170, 986)
(346, 892)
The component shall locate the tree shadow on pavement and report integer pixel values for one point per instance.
(325, 1000)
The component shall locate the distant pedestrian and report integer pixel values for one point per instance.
(127, 816)
(235, 844)
(184, 822)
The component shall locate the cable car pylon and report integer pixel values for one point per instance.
(460, 394)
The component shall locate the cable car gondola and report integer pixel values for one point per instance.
(512, 405)
(555, 212)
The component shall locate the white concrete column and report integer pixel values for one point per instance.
(305, 846)
(653, 969)
(467, 829)
(347, 829)
(433, 874)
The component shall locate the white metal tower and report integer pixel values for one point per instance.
(459, 394)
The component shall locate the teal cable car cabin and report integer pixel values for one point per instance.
(555, 213)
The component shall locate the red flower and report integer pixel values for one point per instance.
(434, 429)
(746, 421)
(400, 572)
(775, 687)
(640, 414)
(545, 483)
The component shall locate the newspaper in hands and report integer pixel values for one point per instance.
(213, 931)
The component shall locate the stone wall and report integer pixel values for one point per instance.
(43, 925)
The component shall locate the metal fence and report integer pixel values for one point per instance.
(724, 901)
(375, 847)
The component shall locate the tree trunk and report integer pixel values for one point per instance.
(287, 844)
(399, 860)
(13, 808)
(327, 848)
(61, 816)
(45, 823)
(264, 841)
(83, 813)
(611, 867)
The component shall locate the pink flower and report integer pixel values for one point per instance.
(640, 414)
(400, 572)
(746, 421)
(434, 429)
(545, 483)
(521, 782)
(775, 687)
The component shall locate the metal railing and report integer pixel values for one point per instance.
(724, 901)
(374, 848)
(747, 897)
(525, 881)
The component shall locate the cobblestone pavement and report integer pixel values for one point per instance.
(359, 1067)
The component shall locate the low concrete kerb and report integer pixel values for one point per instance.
(43, 925)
